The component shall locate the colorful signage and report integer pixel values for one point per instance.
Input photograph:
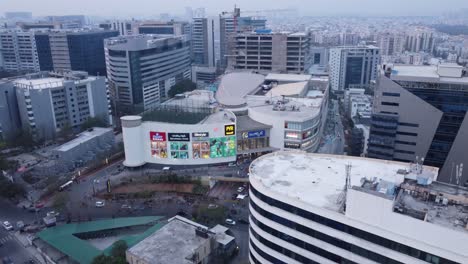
(223, 147)
(157, 136)
(254, 134)
(158, 144)
(200, 135)
(229, 130)
(179, 136)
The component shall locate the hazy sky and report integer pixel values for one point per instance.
(155, 7)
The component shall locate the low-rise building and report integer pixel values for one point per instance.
(85, 147)
(182, 241)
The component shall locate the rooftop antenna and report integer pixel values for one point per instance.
(342, 197)
(459, 172)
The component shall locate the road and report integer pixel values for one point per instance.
(333, 133)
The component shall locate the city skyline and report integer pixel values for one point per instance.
(317, 8)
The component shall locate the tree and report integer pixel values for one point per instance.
(60, 200)
(24, 139)
(94, 122)
(9, 189)
(102, 259)
(118, 249)
(182, 87)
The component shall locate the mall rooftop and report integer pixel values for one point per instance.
(195, 107)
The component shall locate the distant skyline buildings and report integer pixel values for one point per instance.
(320, 7)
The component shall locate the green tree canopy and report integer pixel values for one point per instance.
(182, 87)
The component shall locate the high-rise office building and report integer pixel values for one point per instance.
(79, 50)
(420, 112)
(18, 51)
(267, 51)
(353, 66)
(206, 41)
(141, 69)
(51, 101)
(175, 28)
(9, 116)
(317, 208)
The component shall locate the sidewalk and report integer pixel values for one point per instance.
(25, 241)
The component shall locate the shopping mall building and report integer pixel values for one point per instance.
(249, 115)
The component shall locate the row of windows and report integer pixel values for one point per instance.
(318, 235)
(391, 94)
(280, 249)
(405, 142)
(384, 242)
(265, 255)
(407, 134)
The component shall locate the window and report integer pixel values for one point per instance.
(407, 134)
(390, 104)
(405, 142)
(408, 124)
(391, 94)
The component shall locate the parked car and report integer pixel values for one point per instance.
(100, 204)
(7, 225)
(212, 206)
(126, 206)
(240, 189)
(53, 213)
(230, 222)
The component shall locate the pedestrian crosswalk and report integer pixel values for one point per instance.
(6, 239)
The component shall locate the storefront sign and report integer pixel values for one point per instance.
(254, 134)
(179, 136)
(200, 134)
(229, 130)
(157, 136)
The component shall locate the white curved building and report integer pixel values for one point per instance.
(178, 133)
(391, 212)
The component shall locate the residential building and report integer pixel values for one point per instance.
(10, 123)
(318, 208)
(353, 66)
(266, 51)
(18, 51)
(358, 104)
(142, 68)
(51, 101)
(182, 241)
(390, 44)
(420, 112)
(420, 40)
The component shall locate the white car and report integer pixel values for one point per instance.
(53, 213)
(230, 222)
(100, 204)
(240, 189)
(7, 225)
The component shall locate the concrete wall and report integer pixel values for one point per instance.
(9, 115)
(457, 156)
(413, 110)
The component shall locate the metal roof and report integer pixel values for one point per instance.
(63, 237)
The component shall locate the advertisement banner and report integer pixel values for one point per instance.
(179, 137)
(229, 130)
(158, 144)
(223, 147)
(254, 134)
